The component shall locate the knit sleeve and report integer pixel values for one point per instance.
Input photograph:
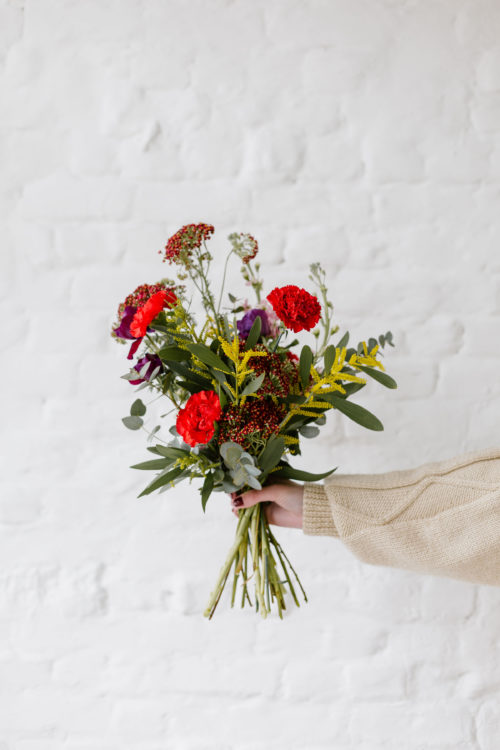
(441, 518)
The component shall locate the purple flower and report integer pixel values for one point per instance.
(154, 362)
(123, 330)
(245, 324)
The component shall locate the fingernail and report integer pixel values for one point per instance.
(238, 502)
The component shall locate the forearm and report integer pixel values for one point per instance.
(441, 518)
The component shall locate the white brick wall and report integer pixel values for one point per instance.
(364, 134)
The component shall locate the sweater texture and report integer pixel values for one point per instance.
(441, 518)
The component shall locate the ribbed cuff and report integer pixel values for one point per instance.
(317, 517)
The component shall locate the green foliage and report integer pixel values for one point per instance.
(206, 489)
(241, 465)
(208, 357)
(137, 409)
(343, 341)
(309, 430)
(287, 472)
(170, 451)
(253, 385)
(385, 339)
(173, 354)
(305, 362)
(164, 479)
(355, 412)
(133, 422)
(329, 358)
(271, 454)
(154, 465)
(380, 377)
(254, 333)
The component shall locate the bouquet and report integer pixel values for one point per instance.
(244, 393)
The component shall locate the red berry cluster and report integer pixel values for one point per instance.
(260, 417)
(187, 239)
(140, 296)
(281, 375)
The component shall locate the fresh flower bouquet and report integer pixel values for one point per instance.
(242, 396)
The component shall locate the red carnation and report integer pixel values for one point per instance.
(148, 312)
(297, 308)
(195, 423)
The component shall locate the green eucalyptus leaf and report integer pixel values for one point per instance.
(153, 433)
(309, 430)
(133, 422)
(253, 482)
(137, 409)
(231, 453)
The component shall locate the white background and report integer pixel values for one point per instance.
(364, 134)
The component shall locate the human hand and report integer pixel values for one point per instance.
(282, 503)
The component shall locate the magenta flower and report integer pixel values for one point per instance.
(154, 362)
(123, 330)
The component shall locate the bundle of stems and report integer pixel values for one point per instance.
(269, 566)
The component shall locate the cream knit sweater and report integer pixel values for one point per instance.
(441, 518)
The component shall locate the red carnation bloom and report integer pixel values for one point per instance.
(195, 422)
(297, 308)
(148, 312)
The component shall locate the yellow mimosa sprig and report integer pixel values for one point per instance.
(240, 361)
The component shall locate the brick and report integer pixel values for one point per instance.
(66, 198)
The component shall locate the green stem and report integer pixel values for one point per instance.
(223, 280)
(256, 557)
(244, 522)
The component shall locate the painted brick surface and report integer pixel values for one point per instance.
(363, 134)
